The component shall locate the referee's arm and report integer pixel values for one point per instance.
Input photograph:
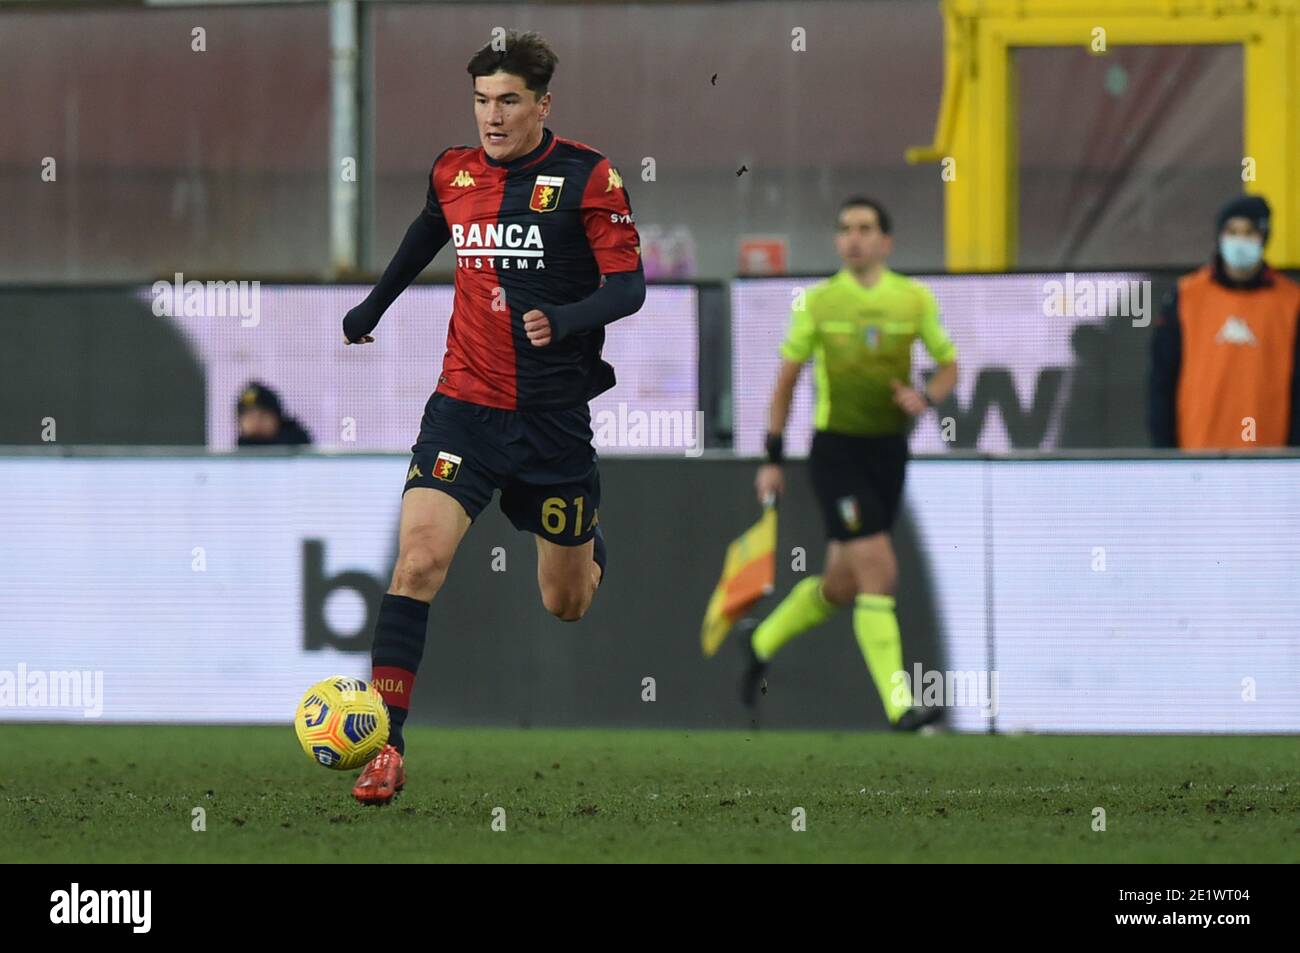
(782, 397)
(796, 348)
(770, 481)
(942, 351)
(941, 384)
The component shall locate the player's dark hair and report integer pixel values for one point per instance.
(861, 201)
(526, 55)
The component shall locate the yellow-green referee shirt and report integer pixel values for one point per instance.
(860, 339)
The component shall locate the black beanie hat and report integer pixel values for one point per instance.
(259, 395)
(1252, 207)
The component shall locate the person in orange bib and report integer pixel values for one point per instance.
(1225, 356)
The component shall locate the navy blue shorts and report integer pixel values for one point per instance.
(542, 462)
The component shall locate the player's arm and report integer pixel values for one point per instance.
(770, 481)
(423, 240)
(778, 412)
(941, 384)
(607, 220)
(1166, 365)
(944, 353)
(619, 295)
(800, 338)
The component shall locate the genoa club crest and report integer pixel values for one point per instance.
(546, 193)
(446, 466)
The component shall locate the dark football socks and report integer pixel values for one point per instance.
(598, 552)
(395, 658)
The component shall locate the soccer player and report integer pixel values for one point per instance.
(858, 326)
(536, 221)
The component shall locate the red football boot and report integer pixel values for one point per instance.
(382, 778)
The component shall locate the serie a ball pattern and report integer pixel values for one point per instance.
(341, 723)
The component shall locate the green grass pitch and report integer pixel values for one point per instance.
(122, 794)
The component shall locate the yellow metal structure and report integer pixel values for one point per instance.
(976, 133)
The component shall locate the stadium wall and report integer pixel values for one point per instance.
(1123, 595)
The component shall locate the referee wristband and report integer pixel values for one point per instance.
(775, 447)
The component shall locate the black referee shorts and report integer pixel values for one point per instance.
(542, 462)
(858, 481)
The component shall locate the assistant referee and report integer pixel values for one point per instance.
(858, 327)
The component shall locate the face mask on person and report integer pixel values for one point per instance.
(1240, 252)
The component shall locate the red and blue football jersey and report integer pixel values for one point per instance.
(535, 232)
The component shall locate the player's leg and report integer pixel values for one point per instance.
(869, 565)
(570, 545)
(806, 606)
(872, 495)
(839, 584)
(813, 600)
(875, 625)
(432, 526)
(810, 603)
(554, 494)
(450, 479)
(567, 577)
(447, 485)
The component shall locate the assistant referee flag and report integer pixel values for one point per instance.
(748, 574)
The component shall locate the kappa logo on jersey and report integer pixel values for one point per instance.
(446, 466)
(1235, 331)
(615, 180)
(546, 193)
(463, 180)
(414, 472)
